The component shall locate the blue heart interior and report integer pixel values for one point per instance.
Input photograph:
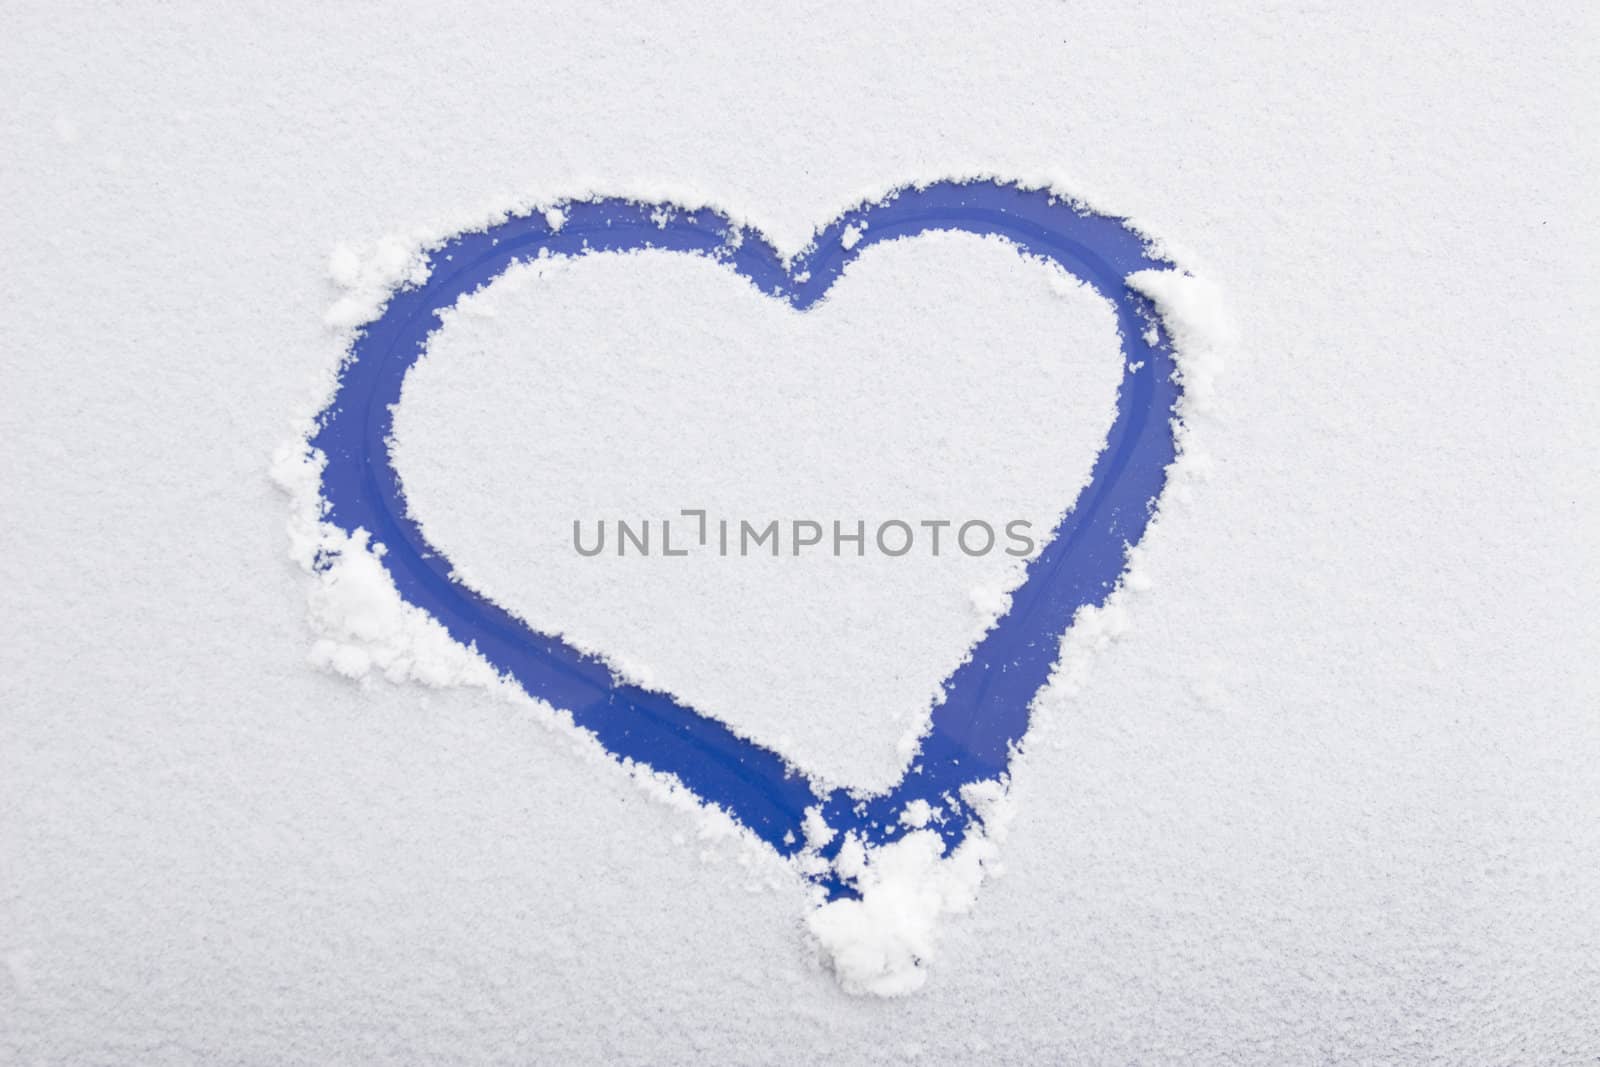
(983, 716)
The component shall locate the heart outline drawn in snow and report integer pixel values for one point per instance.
(979, 724)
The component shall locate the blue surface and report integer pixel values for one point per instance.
(984, 715)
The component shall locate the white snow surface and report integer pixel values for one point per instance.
(881, 940)
(1328, 792)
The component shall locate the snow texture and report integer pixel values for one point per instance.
(1325, 793)
(881, 940)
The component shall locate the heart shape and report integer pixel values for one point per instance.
(983, 716)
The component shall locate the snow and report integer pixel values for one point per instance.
(363, 627)
(877, 944)
(1318, 784)
(882, 941)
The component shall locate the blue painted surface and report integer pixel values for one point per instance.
(984, 714)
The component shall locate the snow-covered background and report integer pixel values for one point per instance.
(1330, 791)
